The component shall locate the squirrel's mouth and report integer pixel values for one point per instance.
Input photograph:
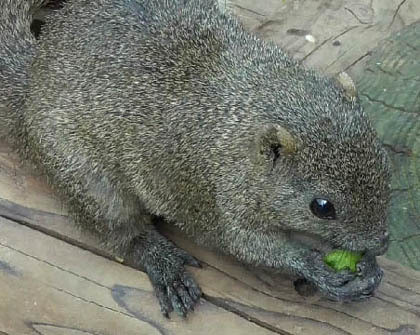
(311, 241)
(316, 243)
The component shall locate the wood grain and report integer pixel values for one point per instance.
(344, 31)
(390, 91)
(51, 287)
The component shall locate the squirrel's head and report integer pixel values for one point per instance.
(326, 176)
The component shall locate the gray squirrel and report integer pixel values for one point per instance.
(136, 109)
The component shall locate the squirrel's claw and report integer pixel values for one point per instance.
(179, 296)
(175, 289)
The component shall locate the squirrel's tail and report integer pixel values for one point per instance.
(17, 47)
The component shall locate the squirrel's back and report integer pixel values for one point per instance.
(160, 60)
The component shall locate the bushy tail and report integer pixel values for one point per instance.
(17, 46)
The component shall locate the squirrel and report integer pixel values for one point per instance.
(136, 109)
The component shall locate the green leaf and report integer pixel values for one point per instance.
(341, 260)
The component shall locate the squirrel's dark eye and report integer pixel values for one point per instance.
(323, 209)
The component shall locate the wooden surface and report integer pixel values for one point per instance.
(51, 287)
(353, 36)
(56, 280)
(390, 91)
(344, 31)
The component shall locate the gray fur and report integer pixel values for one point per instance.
(15, 39)
(171, 108)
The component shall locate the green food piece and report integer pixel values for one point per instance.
(341, 259)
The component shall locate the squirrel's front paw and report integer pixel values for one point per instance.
(345, 285)
(369, 276)
(174, 287)
(324, 277)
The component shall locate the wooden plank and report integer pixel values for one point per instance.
(268, 300)
(390, 91)
(344, 32)
(51, 287)
(54, 285)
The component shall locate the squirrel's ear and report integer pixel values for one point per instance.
(347, 84)
(271, 143)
